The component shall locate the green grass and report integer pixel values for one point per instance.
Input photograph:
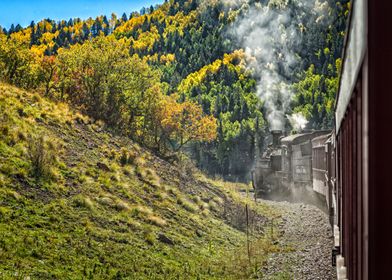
(77, 220)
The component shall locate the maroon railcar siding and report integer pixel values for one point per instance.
(363, 153)
(350, 185)
(380, 152)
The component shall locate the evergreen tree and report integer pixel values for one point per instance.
(33, 37)
(86, 31)
(12, 29)
(124, 17)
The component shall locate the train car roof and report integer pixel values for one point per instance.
(321, 138)
(294, 137)
(353, 55)
(320, 141)
(299, 138)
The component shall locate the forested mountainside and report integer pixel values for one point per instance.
(184, 76)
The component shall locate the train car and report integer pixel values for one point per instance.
(297, 159)
(363, 191)
(286, 166)
(323, 166)
(320, 164)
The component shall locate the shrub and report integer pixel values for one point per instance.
(81, 119)
(124, 157)
(41, 155)
(3, 212)
(152, 178)
(148, 175)
(37, 98)
(21, 113)
(112, 154)
(106, 201)
(121, 205)
(141, 211)
(127, 172)
(205, 212)
(150, 237)
(160, 196)
(213, 205)
(173, 192)
(22, 136)
(132, 157)
(82, 202)
(98, 126)
(4, 130)
(187, 166)
(218, 200)
(187, 205)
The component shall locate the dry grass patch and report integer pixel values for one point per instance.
(141, 211)
(157, 221)
(82, 201)
(187, 205)
(121, 205)
(107, 201)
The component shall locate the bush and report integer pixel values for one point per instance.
(106, 201)
(124, 157)
(187, 205)
(150, 237)
(4, 130)
(40, 153)
(141, 211)
(152, 178)
(81, 201)
(122, 205)
(127, 157)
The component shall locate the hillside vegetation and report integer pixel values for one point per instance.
(78, 202)
(122, 69)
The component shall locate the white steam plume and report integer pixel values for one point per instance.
(269, 36)
(298, 121)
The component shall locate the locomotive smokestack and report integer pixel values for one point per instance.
(276, 134)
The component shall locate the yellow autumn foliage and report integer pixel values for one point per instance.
(185, 122)
(235, 60)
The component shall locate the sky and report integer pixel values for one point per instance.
(24, 11)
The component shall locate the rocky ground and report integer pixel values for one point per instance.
(307, 238)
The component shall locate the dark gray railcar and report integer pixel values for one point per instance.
(297, 159)
(286, 165)
(320, 164)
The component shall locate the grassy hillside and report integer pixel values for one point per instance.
(77, 202)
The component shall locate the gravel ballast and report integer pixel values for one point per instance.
(307, 236)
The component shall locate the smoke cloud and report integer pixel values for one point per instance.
(269, 36)
(298, 121)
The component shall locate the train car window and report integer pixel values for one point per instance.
(306, 149)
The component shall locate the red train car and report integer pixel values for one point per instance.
(362, 190)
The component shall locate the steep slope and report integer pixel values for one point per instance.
(77, 202)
